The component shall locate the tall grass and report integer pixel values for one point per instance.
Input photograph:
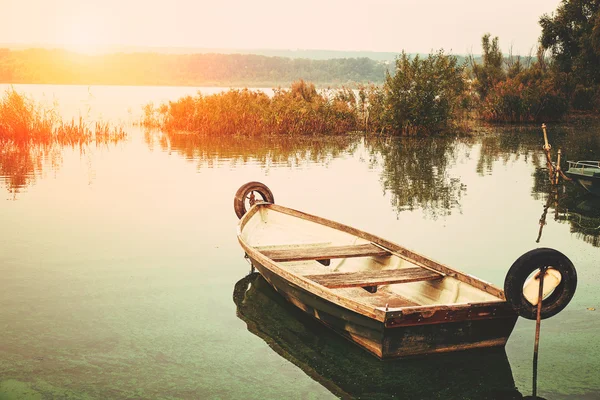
(298, 110)
(24, 121)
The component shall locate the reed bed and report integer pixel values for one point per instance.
(298, 110)
(24, 121)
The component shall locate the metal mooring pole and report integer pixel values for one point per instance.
(538, 321)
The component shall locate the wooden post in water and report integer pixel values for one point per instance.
(546, 145)
(547, 148)
(538, 321)
(557, 168)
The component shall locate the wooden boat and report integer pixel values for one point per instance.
(348, 372)
(587, 174)
(389, 300)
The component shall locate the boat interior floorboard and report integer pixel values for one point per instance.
(381, 298)
(325, 253)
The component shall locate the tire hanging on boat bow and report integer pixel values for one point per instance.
(560, 271)
(239, 201)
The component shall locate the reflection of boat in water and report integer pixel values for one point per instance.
(583, 213)
(587, 174)
(347, 371)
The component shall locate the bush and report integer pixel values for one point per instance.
(531, 96)
(584, 98)
(423, 95)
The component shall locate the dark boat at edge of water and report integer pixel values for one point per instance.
(587, 174)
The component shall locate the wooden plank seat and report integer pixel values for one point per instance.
(377, 299)
(325, 253)
(370, 278)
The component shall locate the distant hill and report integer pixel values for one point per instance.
(312, 54)
(64, 67)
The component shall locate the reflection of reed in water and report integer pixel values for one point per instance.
(21, 163)
(350, 372)
(265, 149)
(31, 137)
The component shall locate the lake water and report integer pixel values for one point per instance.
(121, 275)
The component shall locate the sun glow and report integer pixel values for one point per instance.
(85, 31)
(81, 36)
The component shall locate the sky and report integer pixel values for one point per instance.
(371, 25)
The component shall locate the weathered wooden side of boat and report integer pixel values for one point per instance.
(397, 332)
(445, 337)
(402, 337)
(365, 331)
(592, 185)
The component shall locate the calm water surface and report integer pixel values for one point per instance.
(121, 276)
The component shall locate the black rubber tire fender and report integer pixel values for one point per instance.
(239, 203)
(524, 267)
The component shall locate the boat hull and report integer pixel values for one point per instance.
(586, 174)
(591, 184)
(396, 338)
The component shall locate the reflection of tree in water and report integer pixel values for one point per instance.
(415, 172)
(21, 163)
(266, 150)
(510, 145)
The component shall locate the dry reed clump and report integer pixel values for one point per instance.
(298, 110)
(23, 121)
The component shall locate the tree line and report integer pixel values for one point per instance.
(65, 67)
